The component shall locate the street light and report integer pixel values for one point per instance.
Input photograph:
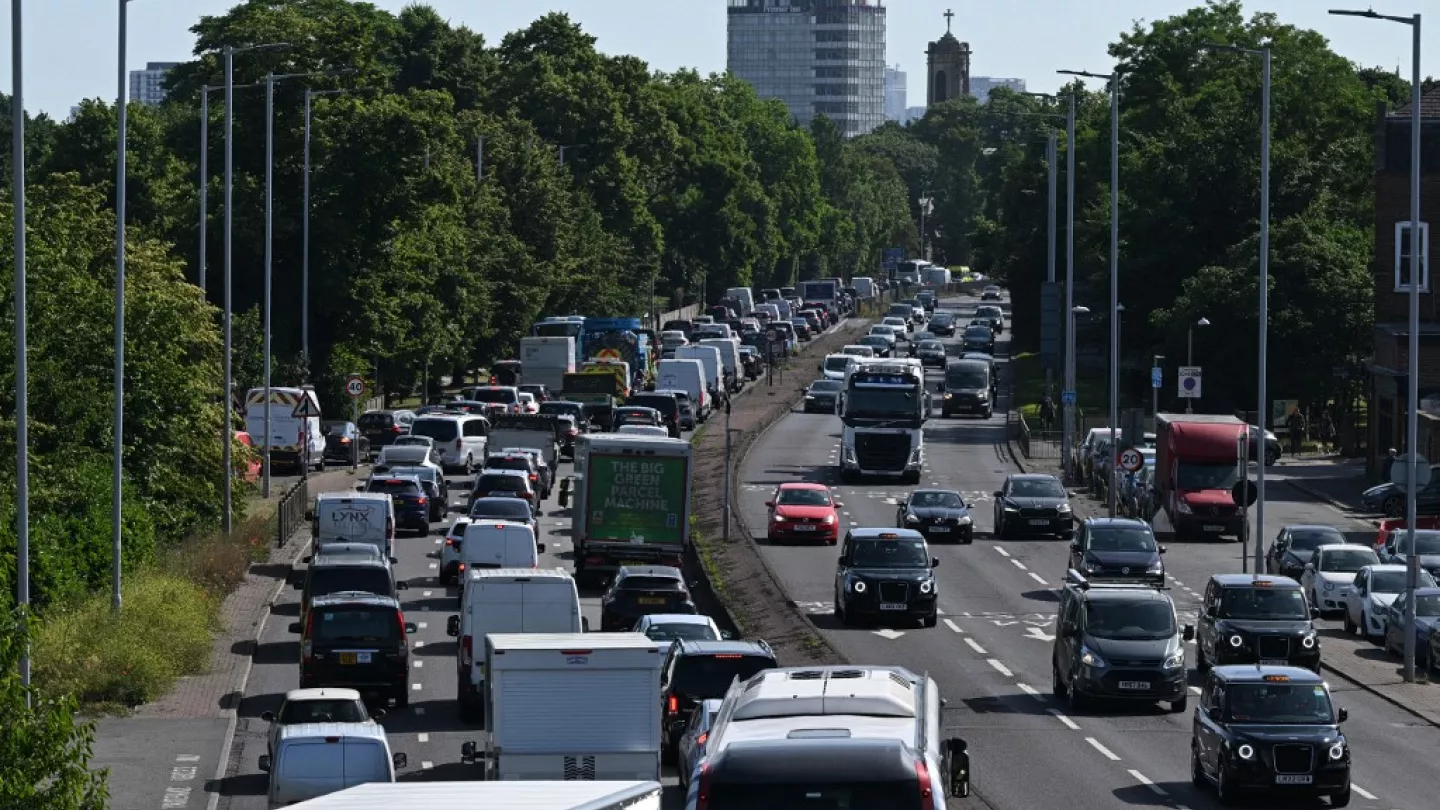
(228, 439)
(926, 201)
(1412, 426)
(1114, 80)
(1070, 373)
(1190, 356)
(205, 175)
(117, 473)
(22, 383)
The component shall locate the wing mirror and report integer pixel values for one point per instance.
(310, 514)
(770, 503)
(1212, 611)
(1162, 549)
(839, 504)
(268, 717)
(1188, 633)
(265, 762)
(1314, 613)
(726, 635)
(295, 627)
(394, 560)
(452, 627)
(1075, 545)
(411, 628)
(402, 585)
(540, 547)
(400, 760)
(307, 558)
(297, 585)
(934, 562)
(998, 494)
(1342, 714)
(584, 624)
(468, 753)
(564, 495)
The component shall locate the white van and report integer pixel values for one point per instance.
(507, 600)
(689, 376)
(730, 358)
(499, 544)
(461, 439)
(745, 296)
(295, 441)
(864, 286)
(315, 759)
(709, 357)
(834, 366)
(354, 517)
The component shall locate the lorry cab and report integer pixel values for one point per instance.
(1197, 464)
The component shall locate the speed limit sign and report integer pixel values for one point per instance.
(355, 386)
(1132, 460)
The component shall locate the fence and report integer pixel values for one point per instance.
(290, 512)
(1038, 442)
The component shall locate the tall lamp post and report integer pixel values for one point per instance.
(1416, 247)
(1072, 462)
(22, 384)
(1190, 355)
(1264, 349)
(205, 177)
(117, 489)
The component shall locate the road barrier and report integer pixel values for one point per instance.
(290, 512)
(1035, 442)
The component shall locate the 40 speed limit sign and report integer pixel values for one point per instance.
(355, 386)
(1131, 460)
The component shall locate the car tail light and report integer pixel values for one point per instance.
(704, 735)
(344, 439)
(422, 500)
(927, 793)
(673, 705)
(458, 444)
(453, 543)
(467, 653)
(307, 650)
(389, 528)
(396, 429)
(462, 568)
(534, 477)
(702, 791)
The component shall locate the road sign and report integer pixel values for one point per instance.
(894, 254)
(1132, 460)
(355, 386)
(307, 409)
(1189, 377)
(1157, 375)
(1245, 492)
(1400, 472)
(1067, 397)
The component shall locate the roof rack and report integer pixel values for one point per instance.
(1073, 577)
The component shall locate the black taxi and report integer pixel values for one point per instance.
(885, 574)
(1272, 730)
(1256, 619)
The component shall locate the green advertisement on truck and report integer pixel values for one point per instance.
(632, 503)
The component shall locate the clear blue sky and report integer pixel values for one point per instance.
(70, 45)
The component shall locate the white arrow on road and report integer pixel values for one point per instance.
(1038, 634)
(1000, 623)
(889, 634)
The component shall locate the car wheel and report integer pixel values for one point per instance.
(1057, 686)
(1202, 664)
(1223, 789)
(1393, 506)
(1077, 698)
(1179, 706)
(1197, 772)
(1341, 799)
(841, 614)
(930, 621)
(469, 466)
(1350, 628)
(402, 697)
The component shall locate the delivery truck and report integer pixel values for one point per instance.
(1196, 465)
(543, 432)
(570, 707)
(632, 503)
(547, 360)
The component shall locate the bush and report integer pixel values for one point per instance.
(218, 563)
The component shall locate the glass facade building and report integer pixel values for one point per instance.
(820, 57)
(148, 86)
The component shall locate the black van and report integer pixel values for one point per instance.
(666, 404)
(967, 389)
(356, 640)
(327, 574)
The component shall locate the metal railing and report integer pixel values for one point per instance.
(290, 512)
(1036, 442)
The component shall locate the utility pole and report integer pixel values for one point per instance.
(117, 484)
(22, 384)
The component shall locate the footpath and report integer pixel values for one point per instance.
(166, 754)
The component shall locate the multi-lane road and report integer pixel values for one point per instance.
(991, 652)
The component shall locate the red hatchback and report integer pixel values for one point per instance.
(803, 511)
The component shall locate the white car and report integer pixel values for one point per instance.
(886, 331)
(857, 350)
(902, 327)
(1330, 573)
(644, 430)
(528, 403)
(667, 628)
(1373, 590)
(317, 706)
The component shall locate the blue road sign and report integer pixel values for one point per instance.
(894, 254)
(1067, 397)
(1156, 375)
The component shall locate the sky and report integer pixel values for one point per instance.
(70, 46)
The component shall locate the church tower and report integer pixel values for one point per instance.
(948, 62)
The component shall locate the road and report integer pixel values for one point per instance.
(991, 652)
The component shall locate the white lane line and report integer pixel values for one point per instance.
(1029, 690)
(950, 623)
(426, 593)
(976, 647)
(433, 566)
(1194, 690)
(426, 765)
(1001, 549)
(1070, 724)
(1177, 583)
(418, 664)
(439, 540)
(415, 686)
(1364, 794)
(1001, 668)
(1018, 564)
(1106, 752)
(419, 644)
(1145, 780)
(423, 737)
(1038, 578)
(420, 625)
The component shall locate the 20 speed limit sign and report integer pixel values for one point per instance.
(1131, 460)
(355, 386)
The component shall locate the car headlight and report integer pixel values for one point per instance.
(912, 519)
(982, 396)
(1236, 641)
(779, 518)
(858, 586)
(966, 521)
(928, 586)
(1156, 567)
(1329, 586)
(915, 457)
(1376, 605)
(1093, 568)
(829, 519)
(1090, 659)
(1337, 751)
(1183, 508)
(1176, 660)
(1245, 751)
(1308, 642)
(1010, 507)
(1063, 508)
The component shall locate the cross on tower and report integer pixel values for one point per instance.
(948, 15)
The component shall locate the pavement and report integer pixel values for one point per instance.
(991, 652)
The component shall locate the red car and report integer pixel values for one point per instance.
(803, 511)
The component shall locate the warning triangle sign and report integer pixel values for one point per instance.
(306, 409)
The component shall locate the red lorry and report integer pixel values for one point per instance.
(1195, 467)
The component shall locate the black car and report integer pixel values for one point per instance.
(540, 392)
(1293, 547)
(506, 484)
(821, 396)
(412, 505)
(356, 640)
(1256, 619)
(641, 590)
(1118, 641)
(931, 353)
(978, 338)
(342, 573)
(994, 315)
(1117, 548)
(884, 574)
(697, 671)
(1032, 503)
(1273, 449)
(381, 427)
(1269, 729)
(938, 514)
(665, 403)
(344, 442)
(437, 492)
(879, 343)
(942, 323)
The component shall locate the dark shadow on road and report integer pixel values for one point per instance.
(438, 649)
(249, 784)
(256, 705)
(1018, 703)
(286, 609)
(1041, 596)
(277, 652)
(442, 772)
(271, 570)
(439, 715)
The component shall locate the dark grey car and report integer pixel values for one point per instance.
(1295, 545)
(821, 396)
(1032, 503)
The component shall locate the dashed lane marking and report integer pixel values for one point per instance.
(415, 686)
(426, 765)
(419, 664)
(1001, 668)
(1194, 690)
(1145, 780)
(974, 646)
(1364, 794)
(1038, 578)
(433, 566)
(1001, 549)
(421, 625)
(1018, 564)
(423, 737)
(419, 644)
(1029, 690)
(1106, 752)
(426, 593)
(1070, 724)
(950, 623)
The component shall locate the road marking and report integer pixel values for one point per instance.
(426, 593)
(420, 625)
(188, 758)
(439, 540)
(1029, 690)
(426, 765)
(1038, 578)
(1038, 634)
(1145, 780)
(976, 647)
(434, 566)
(418, 664)
(1001, 668)
(1194, 690)
(419, 644)
(1177, 583)
(1070, 724)
(1364, 794)
(415, 686)
(950, 623)
(1110, 755)
(1003, 552)
(1018, 564)
(420, 710)
(887, 633)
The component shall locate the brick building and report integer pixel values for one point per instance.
(1388, 366)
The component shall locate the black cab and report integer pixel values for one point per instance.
(1118, 641)
(697, 671)
(1274, 730)
(978, 338)
(884, 574)
(356, 640)
(1117, 548)
(663, 401)
(1256, 619)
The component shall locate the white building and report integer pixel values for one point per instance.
(980, 86)
(895, 94)
(148, 86)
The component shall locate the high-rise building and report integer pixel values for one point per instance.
(911, 113)
(895, 94)
(820, 57)
(980, 86)
(148, 86)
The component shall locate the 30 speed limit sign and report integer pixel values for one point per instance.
(355, 386)
(1132, 460)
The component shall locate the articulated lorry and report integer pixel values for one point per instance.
(632, 503)
(1196, 464)
(884, 406)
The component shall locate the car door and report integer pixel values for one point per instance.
(688, 740)
(840, 566)
(1078, 548)
(1209, 608)
(1357, 597)
(1067, 635)
(1207, 732)
(1277, 549)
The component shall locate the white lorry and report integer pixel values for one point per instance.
(546, 360)
(570, 707)
(883, 406)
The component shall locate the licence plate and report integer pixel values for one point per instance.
(1293, 779)
(804, 527)
(352, 658)
(631, 563)
(939, 528)
(1273, 662)
(1039, 521)
(651, 601)
(1214, 528)
(1134, 684)
(892, 606)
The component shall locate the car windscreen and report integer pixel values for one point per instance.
(664, 404)
(441, 430)
(1122, 538)
(702, 677)
(1264, 604)
(980, 333)
(1197, 476)
(826, 386)
(1426, 542)
(891, 554)
(676, 631)
(932, 346)
(334, 579)
(355, 624)
(874, 340)
(803, 497)
(1278, 703)
(838, 363)
(501, 395)
(830, 793)
(644, 583)
(376, 420)
(1427, 605)
(1036, 488)
(966, 378)
(425, 474)
(520, 463)
(1310, 539)
(1146, 619)
(1394, 581)
(501, 509)
(1342, 561)
(391, 487)
(335, 428)
(936, 500)
(499, 483)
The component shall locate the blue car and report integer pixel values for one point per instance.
(691, 748)
(1389, 500)
(1427, 618)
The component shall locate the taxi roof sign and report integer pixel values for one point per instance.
(1277, 678)
(1263, 583)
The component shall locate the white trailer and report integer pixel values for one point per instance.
(506, 795)
(546, 360)
(570, 706)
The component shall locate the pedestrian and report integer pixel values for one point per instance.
(1295, 431)
(1388, 464)
(1047, 413)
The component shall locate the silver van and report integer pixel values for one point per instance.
(315, 759)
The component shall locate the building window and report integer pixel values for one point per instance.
(1403, 247)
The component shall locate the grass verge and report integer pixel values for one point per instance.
(165, 631)
(1028, 378)
(704, 546)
